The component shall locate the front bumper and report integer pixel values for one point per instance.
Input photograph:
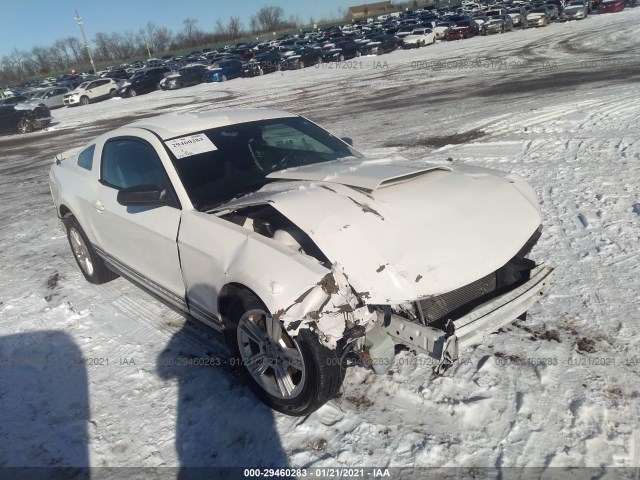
(71, 100)
(472, 327)
(538, 22)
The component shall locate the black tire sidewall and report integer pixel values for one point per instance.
(319, 362)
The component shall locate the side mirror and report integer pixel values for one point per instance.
(143, 196)
(347, 140)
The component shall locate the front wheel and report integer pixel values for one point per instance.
(91, 264)
(84, 100)
(24, 126)
(112, 92)
(132, 92)
(292, 375)
(224, 78)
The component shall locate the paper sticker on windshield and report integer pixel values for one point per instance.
(192, 145)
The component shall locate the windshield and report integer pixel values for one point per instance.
(83, 85)
(246, 153)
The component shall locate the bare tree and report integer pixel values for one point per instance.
(190, 31)
(79, 51)
(103, 47)
(235, 28)
(41, 58)
(268, 19)
(161, 39)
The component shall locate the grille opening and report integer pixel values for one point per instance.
(437, 311)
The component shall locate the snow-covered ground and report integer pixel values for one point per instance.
(88, 373)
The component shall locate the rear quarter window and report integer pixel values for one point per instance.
(85, 159)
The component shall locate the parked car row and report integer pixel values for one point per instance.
(412, 29)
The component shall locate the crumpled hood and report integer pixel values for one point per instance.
(403, 237)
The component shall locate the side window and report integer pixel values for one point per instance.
(92, 85)
(85, 159)
(128, 162)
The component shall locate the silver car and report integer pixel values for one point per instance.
(52, 97)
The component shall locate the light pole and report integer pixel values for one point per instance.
(86, 44)
(144, 37)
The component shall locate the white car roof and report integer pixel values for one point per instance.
(174, 125)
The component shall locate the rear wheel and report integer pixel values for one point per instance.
(24, 126)
(84, 100)
(293, 375)
(91, 265)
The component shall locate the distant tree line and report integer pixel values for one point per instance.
(69, 53)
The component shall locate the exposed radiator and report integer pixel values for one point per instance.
(435, 308)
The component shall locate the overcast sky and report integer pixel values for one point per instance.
(27, 23)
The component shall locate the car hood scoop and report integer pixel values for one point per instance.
(366, 175)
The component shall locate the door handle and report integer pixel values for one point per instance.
(98, 206)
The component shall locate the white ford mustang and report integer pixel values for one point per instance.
(307, 256)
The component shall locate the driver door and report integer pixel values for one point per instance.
(141, 241)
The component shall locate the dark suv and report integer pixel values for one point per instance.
(262, 64)
(143, 81)
(185, 77)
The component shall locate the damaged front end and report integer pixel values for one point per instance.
(369, 326)
(440, 325)
(437, 326)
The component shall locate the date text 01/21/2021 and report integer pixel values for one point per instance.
(318, 472)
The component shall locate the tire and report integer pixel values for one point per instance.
(24, 126)
(319, 61)
(341, 58)
(112, 92)
(224, 78)
(303, 388)
(84, 100)
(90, 263)
(132, 92)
